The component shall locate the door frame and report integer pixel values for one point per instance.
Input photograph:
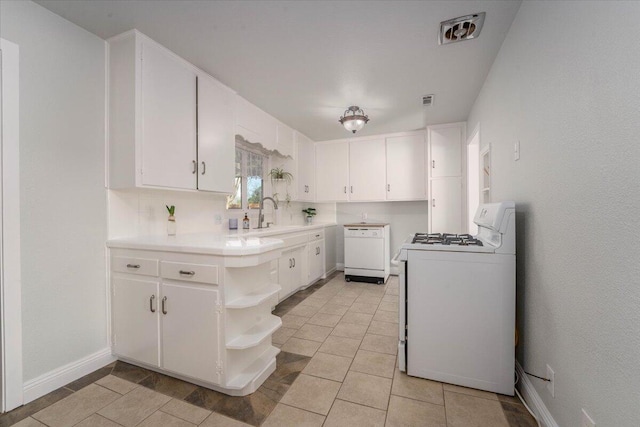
(476, 161)
(11, 390)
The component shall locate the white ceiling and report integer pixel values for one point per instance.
(305, 62)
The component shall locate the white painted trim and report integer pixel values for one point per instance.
(59, 377)
(10, 284)
(533, 399)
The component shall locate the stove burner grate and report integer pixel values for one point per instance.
(446, 239)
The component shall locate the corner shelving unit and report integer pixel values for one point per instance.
(249, 356)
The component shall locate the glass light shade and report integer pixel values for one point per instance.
(353, 124)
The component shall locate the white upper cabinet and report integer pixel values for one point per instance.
(255, 125)
(216, 136)
(367, 170)
(332, 171)
(306, 174)
(168, 120)
(285, 143)
(406, 159)
(445, 142)
(154, 140)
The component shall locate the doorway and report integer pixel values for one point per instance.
(11, 390)
(473, 179)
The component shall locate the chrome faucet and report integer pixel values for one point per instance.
(260, 215)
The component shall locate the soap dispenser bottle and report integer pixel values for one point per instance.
(245, 222)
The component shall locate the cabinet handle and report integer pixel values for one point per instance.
(433, 164)
(317, 235)
(204, 168)
(195, 166)
(290, 263)
(352, 189)
(151, 298)
(133, 266)
(187, 273)
(433, 203)
(294, 262)
(164, 310)
(388, 187)
(345, 189)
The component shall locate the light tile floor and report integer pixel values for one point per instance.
(337, 368)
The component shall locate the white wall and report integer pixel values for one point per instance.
(63, 202)
(405, 218)
(566, 84)
(139, 212)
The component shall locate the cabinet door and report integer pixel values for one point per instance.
(446, 150)
(190, 347)
(316, 260)
(285, 264)
(406, 179)
(255, 125)
(300, 269)
(168, 120)
(135, 319)
(306, 178)
(332, 171)
(216, 136)
(446, 205)
(367, 170)
(285, 140)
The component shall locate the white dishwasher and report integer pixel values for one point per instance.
(366, 253)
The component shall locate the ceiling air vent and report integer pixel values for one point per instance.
(462, 28)
(427, 100)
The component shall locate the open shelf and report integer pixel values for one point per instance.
(252, 371)
(256, 334)
(255, 298)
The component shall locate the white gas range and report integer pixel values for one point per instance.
(457, 303)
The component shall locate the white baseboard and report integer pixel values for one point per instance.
(57, 378)
(533, 399)
(340, 266)
(328, 273)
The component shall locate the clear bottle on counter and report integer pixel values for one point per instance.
(245, 222)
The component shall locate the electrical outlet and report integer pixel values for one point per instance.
(217, 218)
(551, 384)
(586, 420)
(516, 151)
(364, 216)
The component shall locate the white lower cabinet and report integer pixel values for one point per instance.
(140, 311)
(135, 319)
(316, 260)
(198, 317)
(190, 347)
(292, 270)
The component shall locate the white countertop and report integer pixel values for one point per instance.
(228, 242)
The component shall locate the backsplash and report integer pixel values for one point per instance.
(138, 212)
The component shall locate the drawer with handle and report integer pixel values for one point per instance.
(201, 273)
(316, 235)
(143, 266)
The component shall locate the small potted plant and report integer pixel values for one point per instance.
(171, 223)
(280, 175)
(309, 213)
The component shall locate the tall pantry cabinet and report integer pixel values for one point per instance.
(446, 171)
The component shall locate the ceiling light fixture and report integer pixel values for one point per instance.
(354, 119)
